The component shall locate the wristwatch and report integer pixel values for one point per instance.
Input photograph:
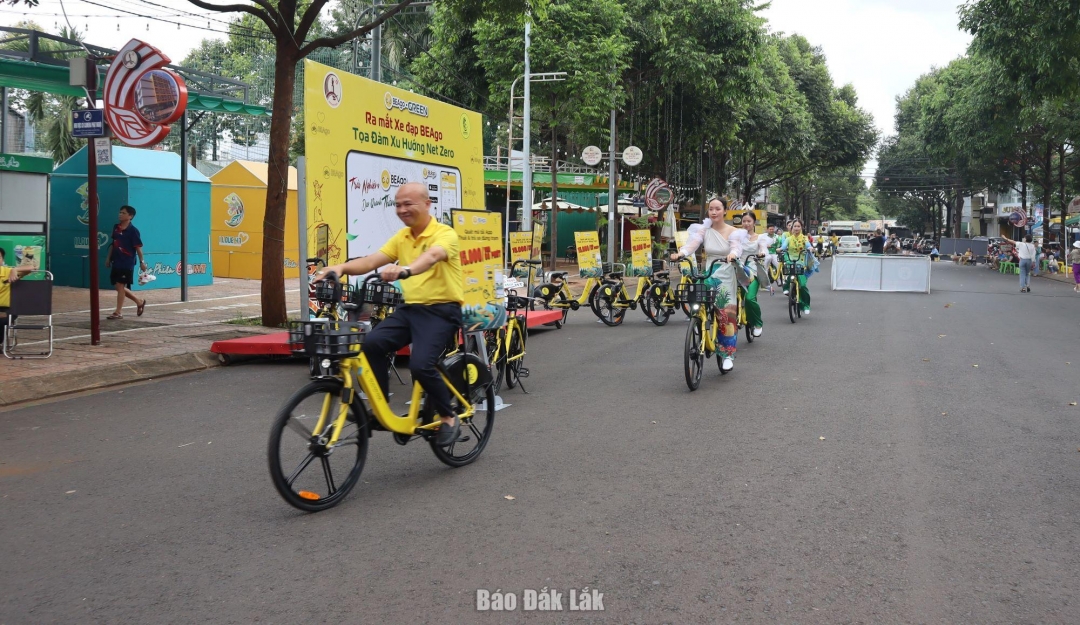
(406, 271)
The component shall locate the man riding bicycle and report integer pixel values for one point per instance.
(434, 288)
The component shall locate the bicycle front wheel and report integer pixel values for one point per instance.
(793, 301)
(693, 354)
(606, 307)
(308, 473)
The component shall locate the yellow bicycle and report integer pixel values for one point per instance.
(704, 330)
(319, 439)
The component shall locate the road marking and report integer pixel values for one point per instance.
(175, 325)
(194, 301)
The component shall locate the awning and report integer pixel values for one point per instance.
(54, 79)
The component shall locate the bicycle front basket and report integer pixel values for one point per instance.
(326, 339)
(324, 292)
(381, 294)
(695, 293)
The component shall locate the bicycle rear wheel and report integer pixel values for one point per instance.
(515, 351)
(655, 309)
(693, 354)
(307, 473)
(496, 357)
(475, 433)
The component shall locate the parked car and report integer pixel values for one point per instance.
(849, 245)
(907, 243)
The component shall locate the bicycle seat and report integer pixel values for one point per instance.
(558, 275)
(661, 274)
(616, 275)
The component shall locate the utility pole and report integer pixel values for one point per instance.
(526, 165)
(612, 202)
(376, 50)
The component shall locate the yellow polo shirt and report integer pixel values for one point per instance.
(5, 286)
(444, 282)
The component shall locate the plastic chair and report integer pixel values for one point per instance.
(29, 298)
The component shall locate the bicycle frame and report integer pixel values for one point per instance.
(400, 424)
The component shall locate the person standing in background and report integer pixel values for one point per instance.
(1025, 251)
(1074, 260)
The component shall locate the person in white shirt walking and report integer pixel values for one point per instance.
(1025, 250)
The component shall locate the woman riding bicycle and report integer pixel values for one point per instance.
(754, 250)
(722, 242)
(796, 249)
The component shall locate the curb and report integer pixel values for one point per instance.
(113, 375)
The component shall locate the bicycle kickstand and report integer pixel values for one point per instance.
(522, 373)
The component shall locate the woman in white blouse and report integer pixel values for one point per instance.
(722, 242)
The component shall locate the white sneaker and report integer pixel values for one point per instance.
(728, 364)
(757, 331)
(806, 311)
(785, 292)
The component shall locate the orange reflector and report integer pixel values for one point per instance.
(306, 494)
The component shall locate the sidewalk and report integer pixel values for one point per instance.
(171, 337)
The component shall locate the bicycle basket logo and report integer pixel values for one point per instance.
(235, 211)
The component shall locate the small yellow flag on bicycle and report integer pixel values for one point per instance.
(588, 254)
(640, 253)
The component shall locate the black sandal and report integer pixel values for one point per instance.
(448, 435)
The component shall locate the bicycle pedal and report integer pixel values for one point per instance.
(523, 373)
(633, 305)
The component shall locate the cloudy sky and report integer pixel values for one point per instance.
(880, 46)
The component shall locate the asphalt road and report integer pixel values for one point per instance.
(855, 467)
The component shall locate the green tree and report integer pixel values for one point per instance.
(292, 24)
(50, 114)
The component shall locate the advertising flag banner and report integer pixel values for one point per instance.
(681, 238)
(480, 237)
(640, 253)
(588, 254)
(520, 249)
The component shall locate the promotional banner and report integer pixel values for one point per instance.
(588, 254)
(640, 253)
(24, 251)
(480, 236)
(363, 140)
(537, 239)
(520, 249)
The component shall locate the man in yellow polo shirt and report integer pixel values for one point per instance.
(429, 268)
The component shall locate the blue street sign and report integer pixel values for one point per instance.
(86, 124)
(639, 202)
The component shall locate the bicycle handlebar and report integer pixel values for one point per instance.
(712, 267)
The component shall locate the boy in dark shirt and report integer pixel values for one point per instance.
(126, 244)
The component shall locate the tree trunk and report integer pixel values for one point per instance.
(1048, 188)
(273, 260)
(1064, 202)
(959, 213)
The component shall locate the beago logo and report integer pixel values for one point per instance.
(385, 180)
(236, 210)
(391, 102)
(237, 240)
(430, 173)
